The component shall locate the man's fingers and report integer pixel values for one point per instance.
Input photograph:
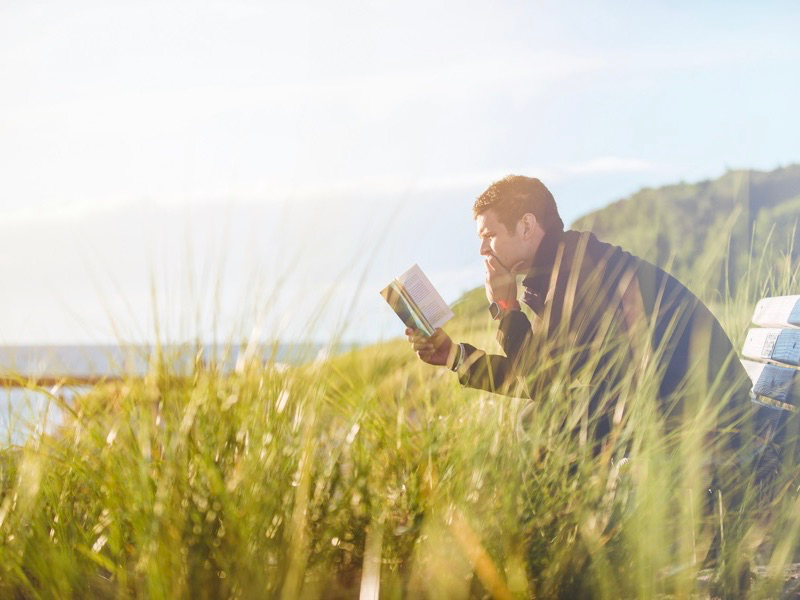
(426, 356)
(517, 267)
(427, 348)
(414, 335)
(438, 336)
(494, 265)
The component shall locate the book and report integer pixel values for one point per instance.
(773, 344)
(414, 299)
(780, 311)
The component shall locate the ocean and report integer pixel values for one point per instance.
(23, 411)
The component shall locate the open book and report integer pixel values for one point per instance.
(414, 299)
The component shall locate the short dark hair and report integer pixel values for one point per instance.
(513, 196)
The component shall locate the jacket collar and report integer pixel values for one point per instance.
(537, 279)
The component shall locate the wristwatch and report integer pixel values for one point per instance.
(457, 358)
(498, 308)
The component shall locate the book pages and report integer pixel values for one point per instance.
(414, 299)
(425, 296)
(405, 309)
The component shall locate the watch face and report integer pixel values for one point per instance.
(494, 310)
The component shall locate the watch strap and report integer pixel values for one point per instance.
(499, 307)
(456, 356)
(508, 304)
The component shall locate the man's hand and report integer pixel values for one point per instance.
(501, 283)
(434, 350)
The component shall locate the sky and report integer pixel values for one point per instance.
(261, 169)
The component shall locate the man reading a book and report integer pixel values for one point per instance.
(602, 318)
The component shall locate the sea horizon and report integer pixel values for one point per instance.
(24, 410)
(98, 360)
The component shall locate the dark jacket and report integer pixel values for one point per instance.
(603, 313)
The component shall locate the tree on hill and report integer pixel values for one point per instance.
(706, 233)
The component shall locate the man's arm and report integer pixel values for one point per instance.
(493, 372)
(475, 368)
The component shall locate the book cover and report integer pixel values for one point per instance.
(418, 304)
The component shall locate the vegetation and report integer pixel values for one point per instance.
(371, 468)
(703, 232)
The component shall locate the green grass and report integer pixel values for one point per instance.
(306, 481)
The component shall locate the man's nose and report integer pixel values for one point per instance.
(485, 249)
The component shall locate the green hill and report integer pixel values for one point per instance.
(706, 232)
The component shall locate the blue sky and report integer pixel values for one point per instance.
(256, 160)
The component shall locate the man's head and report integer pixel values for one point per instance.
(513, 215)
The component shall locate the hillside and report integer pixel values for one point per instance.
(686, 228)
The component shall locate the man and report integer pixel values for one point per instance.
(602, 318)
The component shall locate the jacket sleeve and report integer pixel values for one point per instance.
(498, 373)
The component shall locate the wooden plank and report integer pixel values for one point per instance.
(778, 311)
(772, 344)
(781, 384)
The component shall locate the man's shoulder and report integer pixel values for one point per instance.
(586, 243)
(574, 238)
(616, 259)
(649, 276)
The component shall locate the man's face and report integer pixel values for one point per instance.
(508, 246)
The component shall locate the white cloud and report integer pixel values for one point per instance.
(345, 191)
(62, 212)
(134, 110)
(613, 165)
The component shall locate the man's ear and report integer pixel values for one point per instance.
(528, 225)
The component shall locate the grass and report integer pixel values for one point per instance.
(370, 470)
